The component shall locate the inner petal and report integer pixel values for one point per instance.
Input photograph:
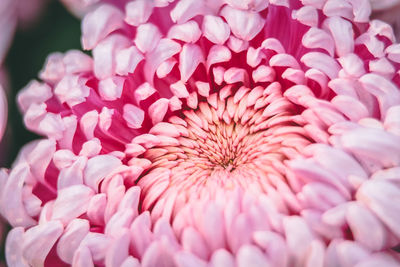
(235, 139)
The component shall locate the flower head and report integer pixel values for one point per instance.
(247, 133)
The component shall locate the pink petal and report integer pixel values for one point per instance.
(212, 228)
(71, 202)
(370, 142)
(317, 38)
(321, 62)
(104, 55)
(98, 168)
(71, 239)
(179, 89)
(187, 259)
(298, 236)
(34, 92)
(120, 220)
(350, 253)
(141, 236)
(158, 109)
(133, 115)
(165, 49)
(352, 64)
(97, 245)
(130, 262)
(382, 204)
(189, 58)
(76, 61)
(157, 254)
(13, 249)
(222, 258)
(217, 54)
(215, 29)
(39, 240)
(185, 10)
(193, 242)
(361, 221)
(127, 60)
(138, 12)
(82, 258)
(119, 249)
(250, 255)
(12, 206)
(147, 37)
(111, 88)
(99, 23)
(244, 25)
(188, 32)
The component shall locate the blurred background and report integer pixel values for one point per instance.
(54, 30)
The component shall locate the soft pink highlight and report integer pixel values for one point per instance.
(212, 133)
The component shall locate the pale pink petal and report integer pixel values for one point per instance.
(119, 249)
(38, 241)
(215, 29)
(82, 258)
(244, 25)
(147, 37)
(249, 255)
(99, 23)
(188, 32)
(138, 12)
(14, 249)
(361, 221)
(97, 168)
(133, 115)
(12, 207)
(104, 55)
(186, 259)
(381, 204)
(222, 258)
(127, 60)
(71, 202)
(70, 240)
(189, 58)
(157, 254)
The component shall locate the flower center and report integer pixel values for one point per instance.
(232, 139)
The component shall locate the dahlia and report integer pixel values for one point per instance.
(213, 133)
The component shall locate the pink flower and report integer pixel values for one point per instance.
(213, 133)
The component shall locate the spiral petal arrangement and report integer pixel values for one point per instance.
(213, 133)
